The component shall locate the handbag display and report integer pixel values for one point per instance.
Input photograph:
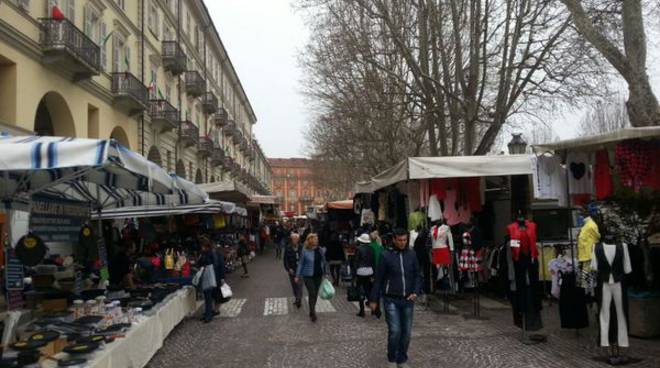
(169, 259)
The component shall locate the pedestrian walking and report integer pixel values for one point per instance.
(208, 287)
(311, 268)
(291, 259)
(364, 270)
(399, 281)
(336, 257)
(219, 267)
(243, 254)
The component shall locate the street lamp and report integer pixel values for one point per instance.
(517, 146)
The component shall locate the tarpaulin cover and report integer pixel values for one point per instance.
(448, 167)
(597, 142)
(340, 205)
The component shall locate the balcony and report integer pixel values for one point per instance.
(244, 146)
(205, 147)
(209, 103)
(174, 60)
(228, 163)
(129, 92)
(189, 134)
(237, 136)
(217, 157)
(219, 119)
(195, 84)
(164, 116)
(67, 47)
(229, 129)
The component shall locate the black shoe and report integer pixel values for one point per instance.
(360, 314)
(206, 320)
(216, 314)
(313, 317)
(377, 313)
(298, 304)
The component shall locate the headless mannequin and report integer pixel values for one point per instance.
(612, 261)
(442, 244)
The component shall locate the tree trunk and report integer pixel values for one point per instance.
(643, 108)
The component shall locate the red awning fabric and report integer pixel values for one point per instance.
(340, 205)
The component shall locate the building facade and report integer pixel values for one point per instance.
(297, 187)
(152, 74)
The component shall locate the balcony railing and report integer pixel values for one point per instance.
(130, 91)
(195, 83)
(206, 146)
(209, 103)
(63, 43)
(229, 129)
(189, 134)
(218, 156)
(219, 119)
(163, 115)
(174, 59)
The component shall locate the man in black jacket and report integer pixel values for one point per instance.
(398, 281)
(291, 258)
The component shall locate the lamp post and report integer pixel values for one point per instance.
(517, 145)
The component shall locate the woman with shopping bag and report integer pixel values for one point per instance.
(207, 280)
(311, 268)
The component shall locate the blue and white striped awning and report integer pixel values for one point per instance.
(210, 207)
(100, 172)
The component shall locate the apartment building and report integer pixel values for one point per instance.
(152, 74)
(297, 187)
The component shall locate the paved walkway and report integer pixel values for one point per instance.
(260, 327)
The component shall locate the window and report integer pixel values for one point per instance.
(188, 23)
(68, 7)
(197, 38)
(24, 5)
(169, 161)
(153, 82)
(167, 34)
(121, 54)
(121, 3)
(168, 91)
(154, 24)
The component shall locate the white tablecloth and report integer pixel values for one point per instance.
(145, 338)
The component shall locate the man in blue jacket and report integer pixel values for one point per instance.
(398, 282)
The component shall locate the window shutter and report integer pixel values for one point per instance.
(71, 10)
(115, 54)
(87, 27)
(103, 33)
(127, 55)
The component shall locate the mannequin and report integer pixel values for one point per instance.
(612, 261)
(527, 293)
(442, 244)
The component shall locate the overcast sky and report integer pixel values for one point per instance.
(263, 39)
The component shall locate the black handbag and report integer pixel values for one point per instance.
(353, 293)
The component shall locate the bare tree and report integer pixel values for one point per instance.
(608, 115)
(389, 79)
(616, 30)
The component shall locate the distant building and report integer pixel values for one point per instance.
(297, 187)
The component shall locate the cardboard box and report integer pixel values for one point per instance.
(54, 305)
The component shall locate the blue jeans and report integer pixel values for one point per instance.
(399, 317)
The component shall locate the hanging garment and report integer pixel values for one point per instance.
(416, 219)
(580, 182)
(412, 190)
(548, 177)
(587, 238)
(637, 163)
(559, 267)
(603, 176)
(382, 206)
(412, 238)
(424, 192)
(527, 293)
(523, 240)
(472, 188)
(572, 303)
(442, 244)
(457, 209)
(469, 260)
(435, 210)
(612, 261)
(546, 255)
(439, 187)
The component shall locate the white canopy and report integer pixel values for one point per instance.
(447, 167)
(596, 142)
(211, 207)
(101, 172)
(229, 190)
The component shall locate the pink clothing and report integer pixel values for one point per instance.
(456, 213)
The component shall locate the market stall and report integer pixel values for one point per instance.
(51, 186)
(611, 185)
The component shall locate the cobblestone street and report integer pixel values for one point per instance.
(260, 327)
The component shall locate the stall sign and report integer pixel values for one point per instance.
(56, 220)
(13, 272)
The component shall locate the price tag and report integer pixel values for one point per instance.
(515, 243)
